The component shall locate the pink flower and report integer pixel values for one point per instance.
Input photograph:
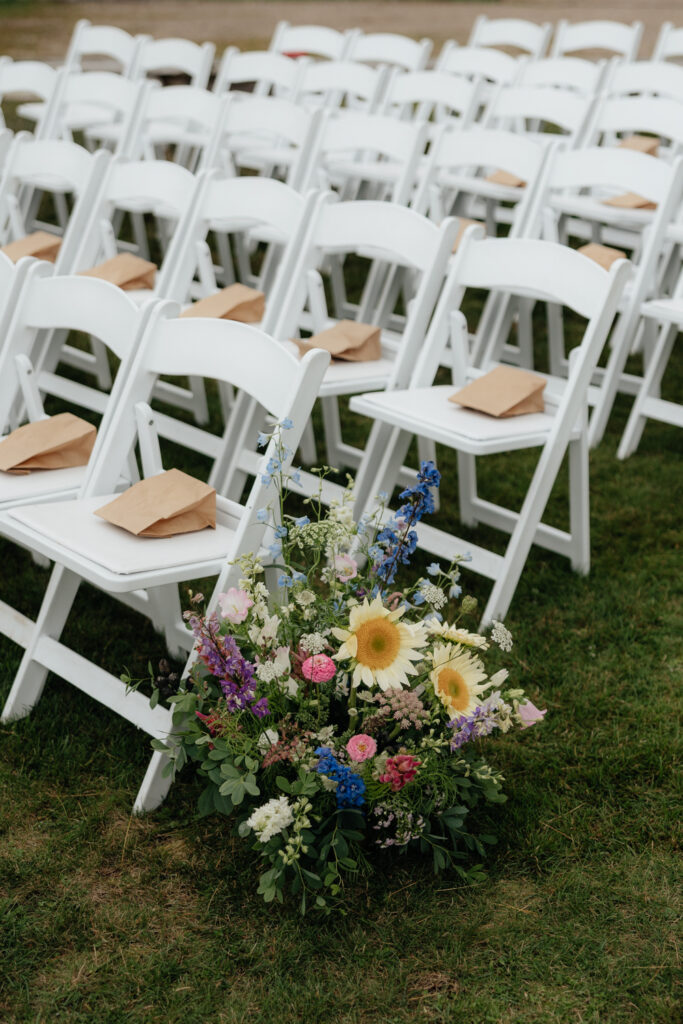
(318, 668)
(360, 747)
(345, 568)
(401, 770)
(235, 605)
(530, 714)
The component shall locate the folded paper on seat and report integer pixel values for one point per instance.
(642, 143)
(162, 506)
(504, 391)
(630, 201)
(463, 224)
(602, 254)
(236, 302)
(126, 270)
(41, 244)
(505, 178)
(58, 442)
(348, 340)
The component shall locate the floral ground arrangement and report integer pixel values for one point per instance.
(350, 716)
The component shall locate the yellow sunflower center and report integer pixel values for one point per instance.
(454, 688)
(379, 641)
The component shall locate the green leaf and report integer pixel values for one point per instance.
(205, 803)
(154, 699)
(160, 746)
(282, 783)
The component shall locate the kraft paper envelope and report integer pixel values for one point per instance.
(163, 505)
(236, 302)
(630, 201)
(55, 443)
(125, 270)
(354, 342)
(505, 178)
(602, 254)
(463, 224)
(504, 391)
(40, 244)
(643, 143)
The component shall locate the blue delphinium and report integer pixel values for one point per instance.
(397, 538)
(350, 790)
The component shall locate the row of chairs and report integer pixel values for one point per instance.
(51, 513)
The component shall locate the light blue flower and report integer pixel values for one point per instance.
(285, 581)
(302, 521)
(455, 591)
(273, 465)
(266, 479)
(287, 423)
(262, 515)
(275, 549)
(434, 569)
(383, 497)
(296, 477)
(263, 439)
(299, 577)
(418, 598)
(280, 531)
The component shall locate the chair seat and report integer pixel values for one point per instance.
(343, 377)
(32, 111)
(427, 411)
(670, 310)
(363, 170)
(41, 483)
(481, 187)
(594, 209)
(70, 533)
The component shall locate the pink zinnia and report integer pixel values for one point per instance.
(360, 747)
(318, 668)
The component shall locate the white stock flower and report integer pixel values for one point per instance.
(271, 818)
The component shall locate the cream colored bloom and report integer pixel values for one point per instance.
(381, 647)
(458, 678)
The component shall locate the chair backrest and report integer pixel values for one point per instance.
(120, 100)
(389, 48)
(645, 77)
(160, 187)
(41, 164)
(102, 40)
(181, 115)
(310, 40)
(611, 36)
(28, 78)
(11, 281)
(380, 139)
(513, 32)
(267, 70)
(655, 115)
(486, 150)
(669, 42)
(177, 56)
(530, 268)
(421, 95)
(478, 62)
(573, 73)
(334, 83)
(48, 302)
(519, 104)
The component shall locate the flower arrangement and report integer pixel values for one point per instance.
(336, 713)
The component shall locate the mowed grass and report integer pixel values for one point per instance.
(108, 918)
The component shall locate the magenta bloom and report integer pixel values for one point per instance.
(530, 714)
(401, 770)
(360, 747)
(319, 668)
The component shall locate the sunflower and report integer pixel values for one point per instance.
(381, 647)
(457, 678)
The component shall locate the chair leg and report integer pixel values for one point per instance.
(579, 502)
(101, 370)
(332, 428)
(382, 461)
(556, 349)
(140, 234)
(307, 447)
(650, 387)
(155, 784)
(30, 678)
(610, 382)
(167, 616)
(200, 405)
(525, 335)
(467, 487)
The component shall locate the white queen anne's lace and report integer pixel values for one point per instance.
(501, 636)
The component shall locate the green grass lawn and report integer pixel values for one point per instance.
(109, 918)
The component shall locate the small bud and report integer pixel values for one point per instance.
(468, 603)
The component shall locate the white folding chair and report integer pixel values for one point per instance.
(11, 282)
(614, 37)
(311, 40)
(526, 109)
(32, 77)
(576, 185)
(271, 136)
(336, 84)
(367, 156)
(265, 71)
(516, 33)
(665, 316)
(33, 166)
(163, 57)
(433, 96)
(585, 77)
(524, 267)
(644, 78)
(183, 118)
(86, 548)
(390, 49)
(388, 235)
(616, 118)
(104, 106)
(669, 43)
